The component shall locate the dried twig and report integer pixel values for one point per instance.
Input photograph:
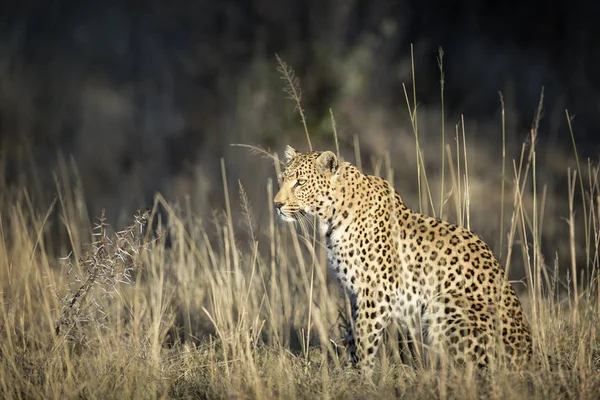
(108, 262)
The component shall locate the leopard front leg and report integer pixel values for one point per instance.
(371, 319)
(350, 342)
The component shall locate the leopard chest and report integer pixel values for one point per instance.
(361, 259)
(344, 258)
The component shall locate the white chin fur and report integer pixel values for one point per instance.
(284, 217)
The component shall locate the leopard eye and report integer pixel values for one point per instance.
(300, 182)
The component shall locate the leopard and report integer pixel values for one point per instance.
(437, 280)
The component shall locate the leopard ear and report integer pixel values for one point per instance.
(289, 153)
(327, 162)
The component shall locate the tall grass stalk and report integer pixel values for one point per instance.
(535, 228)
(572, 244)
(294, 92)
(443, 123)
(335, 134)
(503, 176)
(414, 121)
(467, 190)
(459, 195)
(412, 111)
(586, 225)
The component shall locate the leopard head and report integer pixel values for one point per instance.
(307, 184)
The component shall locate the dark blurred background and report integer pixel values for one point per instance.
(140, 97)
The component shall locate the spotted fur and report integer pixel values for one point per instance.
(438, 280)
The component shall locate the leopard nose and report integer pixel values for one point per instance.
(278, 205)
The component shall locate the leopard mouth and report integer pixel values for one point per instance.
(291, 215)
(286, 218)
(286, 215)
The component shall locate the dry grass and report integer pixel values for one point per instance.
(211, 315)
(226, 308)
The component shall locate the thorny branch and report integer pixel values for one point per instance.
(108, 262)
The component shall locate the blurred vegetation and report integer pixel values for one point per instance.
(125, 99)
